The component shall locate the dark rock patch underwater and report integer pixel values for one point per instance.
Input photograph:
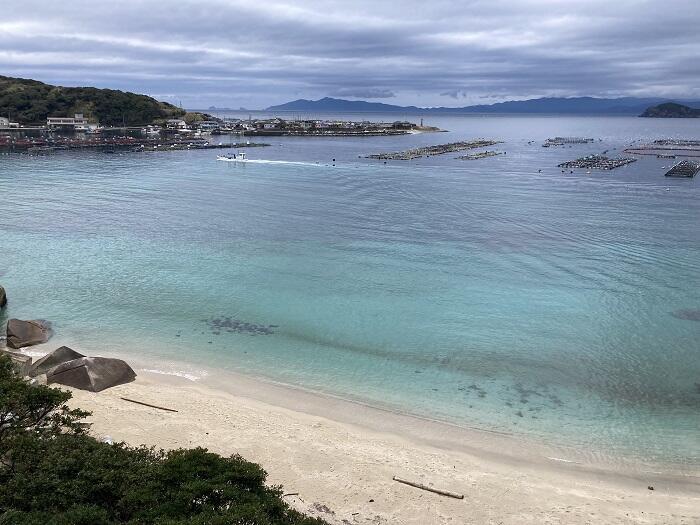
(231, 325)
(687, 314)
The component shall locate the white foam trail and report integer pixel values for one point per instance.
(298, 163)
(177, 373)
(285, 162)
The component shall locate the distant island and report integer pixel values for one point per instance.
(671, 110)
(31, 102)
(576, 106)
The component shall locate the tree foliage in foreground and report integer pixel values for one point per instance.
(36, 411)
(53, 472)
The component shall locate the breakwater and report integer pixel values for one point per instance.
(42, 145)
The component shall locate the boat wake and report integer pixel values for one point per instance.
(264, 161)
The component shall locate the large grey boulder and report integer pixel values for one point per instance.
(27, 333)
(3, 297)
(21, 362)
(91, 373)
(55, 358)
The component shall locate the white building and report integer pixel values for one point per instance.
(6, 123)
(175, 123)
(78, 122)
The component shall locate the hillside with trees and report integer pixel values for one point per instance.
(671, 110)
(30, 102)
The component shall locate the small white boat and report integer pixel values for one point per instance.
(234, 157)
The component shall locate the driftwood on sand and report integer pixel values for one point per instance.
(430, 489)
(147, 404)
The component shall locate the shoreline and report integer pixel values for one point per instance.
(459, 436)
(338, 454)
(520, 448)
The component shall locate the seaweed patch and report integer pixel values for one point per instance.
(687, 314)
(236, 326)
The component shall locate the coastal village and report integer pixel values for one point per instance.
(195, 131)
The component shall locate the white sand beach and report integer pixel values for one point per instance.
(336, 458)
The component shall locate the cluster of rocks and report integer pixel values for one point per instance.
(64, 365)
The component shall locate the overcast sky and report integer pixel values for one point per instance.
(425, 52)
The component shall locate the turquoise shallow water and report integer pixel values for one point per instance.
(483, 293)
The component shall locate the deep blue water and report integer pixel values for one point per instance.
(484, 292)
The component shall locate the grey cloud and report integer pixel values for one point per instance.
(454, 93)
(234, 52)
(363, 93)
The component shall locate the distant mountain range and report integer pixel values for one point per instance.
(576, 106)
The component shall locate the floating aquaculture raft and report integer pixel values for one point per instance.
(480, 155)
(685, 168)
(597, 162)
(427, 151)
(667, 148)
(560, 141)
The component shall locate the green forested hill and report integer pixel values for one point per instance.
(671, 110)
(30, 102)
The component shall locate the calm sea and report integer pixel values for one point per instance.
(485, 293)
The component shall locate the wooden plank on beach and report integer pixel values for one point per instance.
(447, 493)
(148, 405)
